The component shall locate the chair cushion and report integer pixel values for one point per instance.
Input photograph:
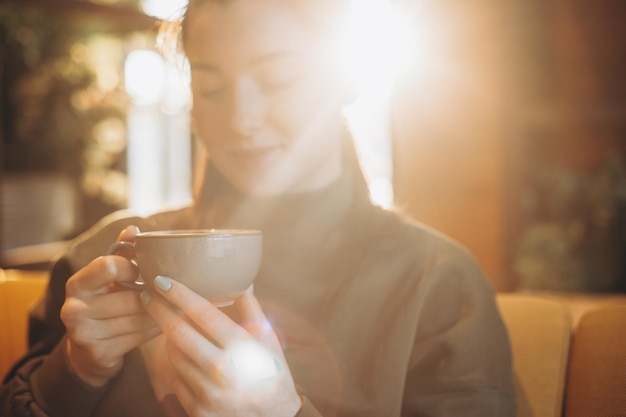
(540, 333)
(597, 381)
(18, 291)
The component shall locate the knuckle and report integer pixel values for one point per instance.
(106, 266)
(71, 311)
(81, 336)
(72, 285)
(177, 330)
(101, 355)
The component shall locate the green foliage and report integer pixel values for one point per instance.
(47, 119)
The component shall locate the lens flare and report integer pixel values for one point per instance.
(378, 44)
(251, 362)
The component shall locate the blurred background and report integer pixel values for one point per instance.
(501, 123)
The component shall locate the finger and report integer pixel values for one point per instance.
(182, 333)
(120, 345)
(99, 274)
(208, 318)
(201, 382)
(116, 304)
(91, 331)
(121, 326)
(127, 235)
(255, 321)
(186, 396)
(144, 336)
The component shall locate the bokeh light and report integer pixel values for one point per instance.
(164, 9)
(144, 76)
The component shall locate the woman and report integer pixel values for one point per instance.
(365, 313)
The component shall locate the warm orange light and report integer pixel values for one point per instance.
(378, 46)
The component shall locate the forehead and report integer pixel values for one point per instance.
(242, 30)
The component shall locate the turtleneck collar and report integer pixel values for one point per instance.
(306, 219)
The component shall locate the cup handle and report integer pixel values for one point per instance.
(133, 285)
(120, 245)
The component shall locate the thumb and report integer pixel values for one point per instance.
(127, 235)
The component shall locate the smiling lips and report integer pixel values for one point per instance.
(256, 156)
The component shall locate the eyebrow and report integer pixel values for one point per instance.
(203, 67)
(273, 56)
(199, 66)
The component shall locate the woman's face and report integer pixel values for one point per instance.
(266, 97)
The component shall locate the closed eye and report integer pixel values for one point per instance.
(280, 72)
(211, 92)
(207, 82)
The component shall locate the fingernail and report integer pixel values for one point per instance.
(162, 283)
(145, 297)
(132, 229)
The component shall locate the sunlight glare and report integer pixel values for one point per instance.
(378, 44)
(252, 362)
(164, 9)
(144, 73)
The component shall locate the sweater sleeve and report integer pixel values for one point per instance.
(16, 397)
(36, 383)
(41, 384)
(460, 364)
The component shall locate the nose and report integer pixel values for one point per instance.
(248, 107)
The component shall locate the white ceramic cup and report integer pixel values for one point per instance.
(218, 264)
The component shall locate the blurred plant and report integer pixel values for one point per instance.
(576, 236)
(62, 101)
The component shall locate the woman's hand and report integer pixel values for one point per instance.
(104, 321)
(223, 368)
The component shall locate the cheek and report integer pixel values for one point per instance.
(285, 119)
(291, 114)
(209, 126)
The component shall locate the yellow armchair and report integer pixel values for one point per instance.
(569, 352)
(18, 291)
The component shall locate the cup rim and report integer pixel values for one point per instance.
(198, 233)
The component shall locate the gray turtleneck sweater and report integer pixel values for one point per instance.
(379, 316)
